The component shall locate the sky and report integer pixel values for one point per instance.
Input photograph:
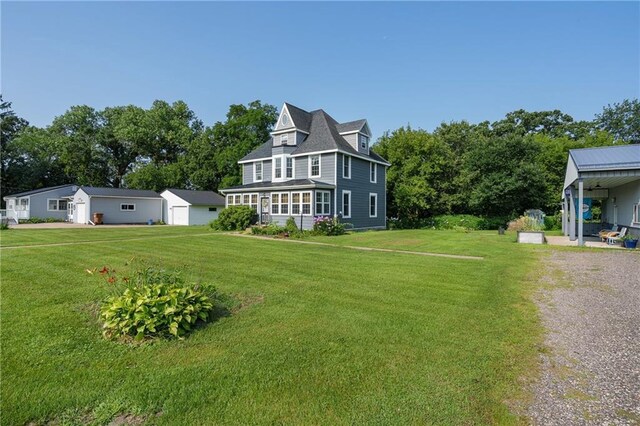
(417, 63)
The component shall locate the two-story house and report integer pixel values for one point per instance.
(314, 166)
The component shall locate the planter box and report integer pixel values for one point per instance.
(531, 237)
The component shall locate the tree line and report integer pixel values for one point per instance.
(486, 169)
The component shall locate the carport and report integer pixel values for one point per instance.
(610, 174)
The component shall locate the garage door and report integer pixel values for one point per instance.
(180, 215)
(81, 213)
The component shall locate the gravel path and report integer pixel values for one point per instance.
(590, 307)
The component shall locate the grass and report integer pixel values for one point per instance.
(328, 335)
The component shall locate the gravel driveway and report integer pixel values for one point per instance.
(590, 307)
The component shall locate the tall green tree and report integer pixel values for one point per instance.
(10, 126)
(504, 177)
(420, 181)
(622, 120)
(77, 134)
(213, 158)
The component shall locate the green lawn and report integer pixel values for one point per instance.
(328, 335)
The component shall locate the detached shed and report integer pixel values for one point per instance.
(117, 205)
(185, 207)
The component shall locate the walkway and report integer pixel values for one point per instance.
(588, 242)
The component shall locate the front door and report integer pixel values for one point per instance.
(264, 210)
(81, 213)
(69, 211)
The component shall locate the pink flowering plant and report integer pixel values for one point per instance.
(325, 225)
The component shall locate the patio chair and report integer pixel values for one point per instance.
(616, 237)
(605, 232)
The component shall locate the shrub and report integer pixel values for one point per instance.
(270, 229)
(524, 223)
(41, 220)
(553, 223)
(291, 226)
(450, 221)
(324, 225)
(154, 303)
(3, 226)
(234, 218)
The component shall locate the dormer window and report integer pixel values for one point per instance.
(277, 170)
(364, 141)
(284, 139)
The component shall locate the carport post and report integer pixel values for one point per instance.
(565, 212)
(572, 216)
(580, 212)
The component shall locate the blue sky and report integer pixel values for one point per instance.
(392, 63)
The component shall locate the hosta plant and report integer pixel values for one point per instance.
(154, 304)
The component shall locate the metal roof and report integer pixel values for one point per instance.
(72, 189)
(119, 192)
(199, 198)
(621, 157)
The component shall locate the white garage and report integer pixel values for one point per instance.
(186, 207)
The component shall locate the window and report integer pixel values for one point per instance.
(213, 209)
(295, 203)
(22, 204)
(284, 139)
(301, 203)
(54, 205)
(636, 213)
(128, 207)
(289, 166)
(257, 171)
(278, 168)
(314, 166)
(284, 203)
(323, 205)
(373, 172)
(241, 199)
(280, 203)
(373, 205)
(346, 166)
(364, 142)
(346, 204)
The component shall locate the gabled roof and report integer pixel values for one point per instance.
(351, 126)
(199, 198)
(622, 157)
(71, 190)
(119, 192)
(300, 117)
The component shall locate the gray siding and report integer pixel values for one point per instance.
(291, 139)
(247, 173)
(146, 208)
(38, 204)
(352, 139)
(626, 196)
(360, 187)
(327, 168)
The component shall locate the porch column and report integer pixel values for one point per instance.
(580, 212)
(565, 212)
(572, 216)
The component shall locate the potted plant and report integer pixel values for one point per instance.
(630, 241)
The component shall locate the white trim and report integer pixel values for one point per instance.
(293, 167)
(288, 130)
(375, 172)
(283, 168)
(58, 209)
(362, 157)
(344, 191)
(344, 157)
(319, 166)
(316, 185)
(374, 194)
(255, 179)
(128, 204)
(322, 202)
(254, 160)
